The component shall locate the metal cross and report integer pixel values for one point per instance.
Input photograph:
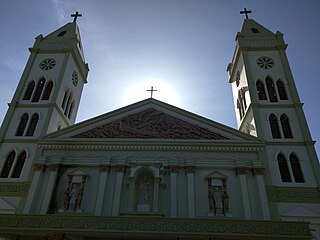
(246, 12)
(152, 90)
(76, 15)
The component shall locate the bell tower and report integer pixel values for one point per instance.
(46, 99)
(268, 106)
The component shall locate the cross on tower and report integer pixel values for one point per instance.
(76, 15)
(152, 90)
(246, 12)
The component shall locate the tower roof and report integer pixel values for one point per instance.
(69, 33)
(252, 29)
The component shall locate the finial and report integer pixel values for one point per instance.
(152, 90)
(76, 15)
(246, 12)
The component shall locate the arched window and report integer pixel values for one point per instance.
(65, 97)
(47, 91)
(71, 109)
(38, 91)
(285, 126)
(284, 169)
(296, 168)
(243, 97)
(68, 104)
(240, 109)
(261, 92)
(33, 124)
(273, 121)
(271, 90)
(29, 91)
(19, 165)
(22, 125)
(8, 164)
(282, 91)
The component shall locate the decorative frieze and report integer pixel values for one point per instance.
(146, 225)
(120, 168)
(241, 170)
(258, 171)
(293, 194)
(13, 188)
(173, 169)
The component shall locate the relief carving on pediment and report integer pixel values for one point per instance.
(150, 123)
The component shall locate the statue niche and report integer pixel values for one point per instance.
(74, 192)
(217, 195)
(144, 192)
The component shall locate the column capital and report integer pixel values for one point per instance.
(54, 167)
(39, 167)
(120, 168)
(173, 169)
(104, 168)
(258, 171)
(241, 170)
(190, 169)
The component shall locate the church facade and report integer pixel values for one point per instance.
(151, 170)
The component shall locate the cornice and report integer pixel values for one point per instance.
(153, 146)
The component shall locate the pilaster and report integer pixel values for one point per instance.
(53, 169)
(258, 173)
(38, 172)
(173, 190)
(190, 170)
(104, 171)
(117, 191)
(241, 173)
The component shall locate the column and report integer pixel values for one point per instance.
(117, 190)
(104, 171)
(241, 173)
(54, 168)
(258, 173)
(38, 172)
(156, 182)
(190, 170)
(173, 190)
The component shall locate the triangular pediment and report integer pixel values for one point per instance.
(150, 119)
(150, 123)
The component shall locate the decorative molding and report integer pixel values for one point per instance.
(293, 194)
(150, 123)
(64, 224)
(13, 188)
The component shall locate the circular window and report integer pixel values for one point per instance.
(238, 78)
(265, 62)
(75, 78)
(47, 64)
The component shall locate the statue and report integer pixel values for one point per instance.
(218, 202)
(73, 197)
(144, 191)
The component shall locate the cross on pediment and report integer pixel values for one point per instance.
(76, 15)
(151, 90)
(246, 12)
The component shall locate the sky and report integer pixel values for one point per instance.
(180, 47)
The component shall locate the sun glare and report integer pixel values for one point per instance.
(163, 91)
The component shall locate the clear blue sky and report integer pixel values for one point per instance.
(181, 47)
